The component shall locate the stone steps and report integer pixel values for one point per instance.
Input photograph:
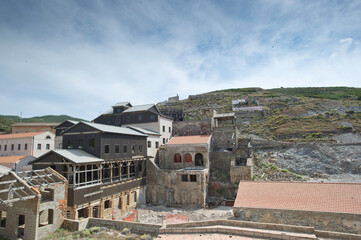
(242, 231)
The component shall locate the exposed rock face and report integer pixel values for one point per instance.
(315, 158)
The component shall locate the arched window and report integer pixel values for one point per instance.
(187, 157)
(199, 159)
(177, 158)
(48, 137)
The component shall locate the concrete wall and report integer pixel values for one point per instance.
(16, 142)
(338, 222)
(241, 173)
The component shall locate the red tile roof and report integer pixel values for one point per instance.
(9, 161)
(323, 197)
(189, 139)
(20, 135)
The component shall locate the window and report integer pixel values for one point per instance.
(39, 146)
(140, 117)
(134, 196)
(140, 148)
(107, 204)
(3, 219)
(184, 178)
(156, 145)
(106, 148)
(152, 117)
(149, 144)
(116, 149)
(199, 159)
(129, 119)
(163, 128)
(69, 144)
(125, 150)
(140, 166)
(193, 178)
(170, 129)
(48, 137)
(187, 157)
(132, 147)
(0, 147)
(26, 146)
(47, 146)
(91, 142)
(163, 140)
(177, 158)
(19, 146)
(5, 147)
(81, 143)
(128, 199)
(12, 147)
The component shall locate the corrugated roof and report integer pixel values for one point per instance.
(139, 108)
(77, 156)
(11, 159)
(20, 135)
(144, 130)
(120, 104)
(114, 129)
(323, 197)
(189, 139)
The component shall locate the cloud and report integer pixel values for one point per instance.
(80, 57)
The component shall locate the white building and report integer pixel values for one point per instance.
(34, 144)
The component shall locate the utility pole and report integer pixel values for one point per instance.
(21, 115)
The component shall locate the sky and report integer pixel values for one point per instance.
(81, 57)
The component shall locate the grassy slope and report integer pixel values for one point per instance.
(295, 114)
(7, 121)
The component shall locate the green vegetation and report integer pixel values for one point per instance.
(7, 121)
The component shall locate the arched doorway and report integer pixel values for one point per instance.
(188, 157)
(199, 159)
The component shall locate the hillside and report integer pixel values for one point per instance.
(289, 114)
(7, 121)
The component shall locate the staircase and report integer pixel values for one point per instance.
(241, 228)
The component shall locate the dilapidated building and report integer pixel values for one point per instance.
(105, 168)
(180, 178)
(32, 203)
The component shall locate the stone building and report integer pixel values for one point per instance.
(180, 178)
(105, 168)
(32, 204)
(34, 143)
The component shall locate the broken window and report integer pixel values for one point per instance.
(132, 170)
(107, 204)
(241, 161)
(2, 219)
(184, 178)
(187, 157)
(199, 159)
(116, 149)
(46, 217)
(106, 148)
(81, 143)
(91, 143)
(140, 148)
(193, 178)
(149, 144)
(125, 150)
(177, 158)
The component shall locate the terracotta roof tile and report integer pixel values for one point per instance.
(323, 197)
(189, 139)
(20, 135)
(11, 159)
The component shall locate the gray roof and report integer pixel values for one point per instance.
(119, 104)
(144, 130)
(114, 129)
(73, 122)
(139, 108)
(77, 156)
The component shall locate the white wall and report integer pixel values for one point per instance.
(43, 141)
(16, 142)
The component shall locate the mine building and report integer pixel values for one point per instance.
(32, 203)
(144, 117)
(60, 129)
(105, 169)
(180, 177)
(32, 143)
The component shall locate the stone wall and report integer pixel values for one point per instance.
(221, 160)
(337, 222)
(192, 128)
(241, 173)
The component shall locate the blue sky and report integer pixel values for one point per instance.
(80, 57)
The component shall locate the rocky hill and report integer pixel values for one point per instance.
(307, 131)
